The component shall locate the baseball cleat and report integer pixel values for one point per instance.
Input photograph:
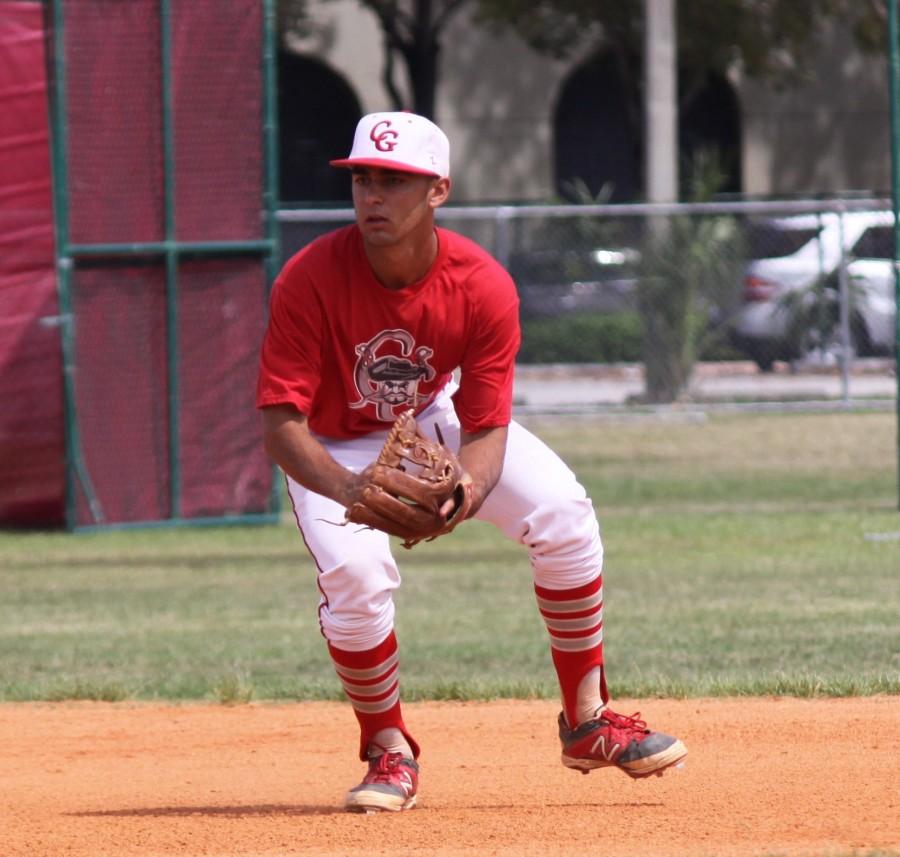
(389, 786)
(613, 740)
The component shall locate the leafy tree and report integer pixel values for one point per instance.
(686, 292)
(771, 39)
(412, 32)
(768, 39)
(294, 18)
(689, 264)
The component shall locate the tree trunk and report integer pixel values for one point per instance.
(387, 75)
(666, 371)
(421, 55)
(424, 83)
(666, 301)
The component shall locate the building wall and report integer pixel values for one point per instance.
(496, 100)
(828, 135)
(348, 39)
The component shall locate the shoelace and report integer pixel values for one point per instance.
(386, 766)
(622, 721)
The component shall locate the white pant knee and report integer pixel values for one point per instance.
(356, 610)
(356, 572)
(541, 504)
(563, 541)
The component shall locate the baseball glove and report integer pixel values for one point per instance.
(408, 483)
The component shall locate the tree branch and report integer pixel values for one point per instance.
(392, 18)
(387, 76)
(451, 7)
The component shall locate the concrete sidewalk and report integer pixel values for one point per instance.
(599, 386)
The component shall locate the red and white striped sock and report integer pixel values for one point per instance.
(372, 684)
(574, 620)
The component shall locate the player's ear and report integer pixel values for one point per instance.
(440, 190)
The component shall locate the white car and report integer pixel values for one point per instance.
(791, 255)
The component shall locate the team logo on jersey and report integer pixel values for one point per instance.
(385, 140)
(387, 379)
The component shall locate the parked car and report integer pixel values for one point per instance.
(557, 282)
(793, 281)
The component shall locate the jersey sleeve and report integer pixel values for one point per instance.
(484, 398)
(290, 360)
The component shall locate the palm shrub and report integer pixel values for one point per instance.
(689, 278)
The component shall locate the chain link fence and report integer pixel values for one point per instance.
(161, 129)
(731, 302)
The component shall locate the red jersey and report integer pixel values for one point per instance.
(352, 355)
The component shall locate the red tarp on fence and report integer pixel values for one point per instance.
(122, 391)
(32, 462)
(123, 396)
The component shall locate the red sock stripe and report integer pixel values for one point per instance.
(365, 660)
(376, 670)
(366, 682)
(570, 594)
(355, 697)
(575, 635)
(575, 614)
(369, 675)
(578, 622)
(370, 689)
(574, 620)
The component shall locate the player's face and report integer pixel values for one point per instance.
(392, 206)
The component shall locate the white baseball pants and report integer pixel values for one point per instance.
(538, 502)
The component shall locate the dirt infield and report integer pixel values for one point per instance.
(764, 776)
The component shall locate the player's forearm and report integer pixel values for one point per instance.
(481, 455)
(293, 448)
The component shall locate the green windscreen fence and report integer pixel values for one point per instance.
(164, 181)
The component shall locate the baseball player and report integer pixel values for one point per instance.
(392, 313)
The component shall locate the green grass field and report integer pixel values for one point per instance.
(744, 555)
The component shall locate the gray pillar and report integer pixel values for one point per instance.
(660, 101)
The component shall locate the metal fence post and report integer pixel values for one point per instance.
(171, 259)
(76, 472)
(894, 90)
(844, 310)
(270, 194)
(503, 251)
